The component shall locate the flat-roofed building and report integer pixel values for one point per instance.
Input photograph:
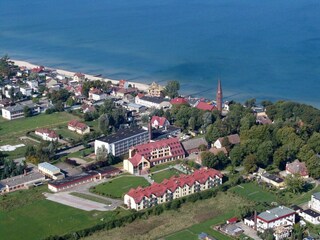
(20, 182)
(50, 171)
(119, 143)
(17, 111)
(314, 203)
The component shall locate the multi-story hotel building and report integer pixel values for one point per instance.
(120, 142)
(144, 156)
(173, 188)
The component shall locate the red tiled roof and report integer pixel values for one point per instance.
(178, 100)
(205, 106)
(122, 83)
(135, 160)
(48, 132)
(140, 95)
(37, 69)
(95, 91)
(297, 167)
(158, 189)
(76, 124)
(161, 120)
(174, 144)
(232, 220)
(79, 75)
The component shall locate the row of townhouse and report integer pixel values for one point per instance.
(173, 188)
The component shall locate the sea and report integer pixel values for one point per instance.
(268, 50)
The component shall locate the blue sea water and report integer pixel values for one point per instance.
(262, 49)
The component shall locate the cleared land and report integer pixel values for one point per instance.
(252, 191)
(117, 187)
(166, 174)
(187, 222)
(29, 216)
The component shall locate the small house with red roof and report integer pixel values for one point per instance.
(47, 134)
(179, 101)
(78, 127)
(297, 168)
(173, 188)
(159, 122)
(96, 94)
(205, 106)
(154, 153)
(79, 77)
(123, 84)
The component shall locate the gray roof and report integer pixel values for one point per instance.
(154, 99)
(316, 195)
(123, 134)
(275, 213)
(49, 166)
(194, 143)
(21, 179)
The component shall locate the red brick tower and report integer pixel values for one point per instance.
(219, 96)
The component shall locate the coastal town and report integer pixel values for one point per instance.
(101, 155)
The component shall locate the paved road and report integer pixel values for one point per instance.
(77, 202)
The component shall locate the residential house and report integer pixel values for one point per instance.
(155, 90)
(136, 107)
(26, 91)
(47, 134)
(272, 179)
(314, 203)
(179, 101)
(122, 92)
(123, 84)
(311, 216)
(232, 139)
(78, 127)
(173, 188)
(88, 108)
(216, 151)
(159, 122)
(33, 84)
(79, 77)
(144, 156)
(52, 83)
(96, 94)
(297, 168)
(192, 145)
(205, 106)
(119, 143)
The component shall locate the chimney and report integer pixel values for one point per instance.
(25, 172)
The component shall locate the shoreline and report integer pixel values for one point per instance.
(29, 65)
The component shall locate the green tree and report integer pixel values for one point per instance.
(314, 142)
(294, 183)
(172, 89)
(27, 112)
(250, 163)
(102, 154)
(104, 124)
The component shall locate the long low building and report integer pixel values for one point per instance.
(50, 171)
(23, 181)
(173, 188)
(82, 178)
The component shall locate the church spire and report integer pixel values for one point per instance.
(219, 96)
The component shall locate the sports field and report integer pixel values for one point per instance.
(117, 187)
(253, 192)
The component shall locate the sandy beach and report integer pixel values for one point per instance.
(140, 86)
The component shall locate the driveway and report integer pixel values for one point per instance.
(249, 231)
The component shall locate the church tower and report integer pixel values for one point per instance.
(219, 96)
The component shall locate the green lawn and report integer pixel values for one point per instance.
(26, 214)
(91, 198)
(10, 131)
(304, 197)
(162, 166)
(166, 174)
(253, 192)
(66, 134)
(116, 188)
(82, 154)
(185, 234)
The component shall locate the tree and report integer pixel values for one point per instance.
(172, 89)
(294, 183)
(250, 103)
(27, 112)
(104, 124)
(209, 159)
(192, 123)
(102, 153)
(266, 103)
(70, 101)
(314, 142)
(236, 155)
(313, 165)
(267, 234)
(250, 163)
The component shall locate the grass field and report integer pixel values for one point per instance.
(116, 188)
(10, 131)
(166, 174)
(304, 197)
(185, 223)
(91, 198)
(66, 134)
(253, 192)
(163, 166)
(28, 215)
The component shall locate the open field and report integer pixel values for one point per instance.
(66, 134)
(27, 215)
(187, 222)
(163, 166)
(166, 174)
(117, 187)
(82, 154)
(11, 131)
(253, 192)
